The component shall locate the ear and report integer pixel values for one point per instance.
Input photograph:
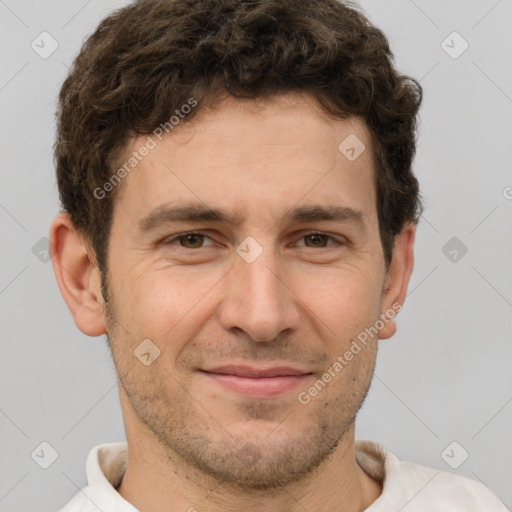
(397, 280)
(78, 275)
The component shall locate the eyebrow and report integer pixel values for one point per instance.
(200, 213)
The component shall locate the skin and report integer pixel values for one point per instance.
(192, 443)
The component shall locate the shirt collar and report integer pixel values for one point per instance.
(105, 468)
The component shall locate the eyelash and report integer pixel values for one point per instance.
(175, 238)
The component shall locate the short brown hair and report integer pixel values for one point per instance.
(147, 59)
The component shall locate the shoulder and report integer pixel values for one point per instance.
(80, 503)
(443, 491)
(418, 488)
(105, 467)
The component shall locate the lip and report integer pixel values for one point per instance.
(257, 382)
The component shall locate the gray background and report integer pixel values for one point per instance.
(444, 377)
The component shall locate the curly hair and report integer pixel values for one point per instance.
(147, 59)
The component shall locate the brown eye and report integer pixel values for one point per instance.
(317, 240)
(191, 240)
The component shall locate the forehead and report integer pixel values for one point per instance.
(254, 154)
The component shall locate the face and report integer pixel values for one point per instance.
(246, 309)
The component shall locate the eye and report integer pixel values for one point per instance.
(196, 240)
(317, 240)
(192, 240)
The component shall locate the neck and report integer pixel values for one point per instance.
(156, 480)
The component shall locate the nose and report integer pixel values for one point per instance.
(259, 298)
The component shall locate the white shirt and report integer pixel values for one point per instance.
(407, 487)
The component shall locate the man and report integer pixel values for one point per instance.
(239, 215)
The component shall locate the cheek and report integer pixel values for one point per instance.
(344, 299)
(159, 302)
(155, 303)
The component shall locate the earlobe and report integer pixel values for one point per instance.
(78, 276)
(398, 276)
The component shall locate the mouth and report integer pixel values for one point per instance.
(257, 382)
